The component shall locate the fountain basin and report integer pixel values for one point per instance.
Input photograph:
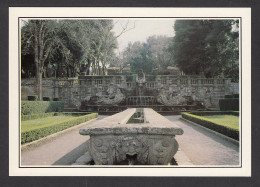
(140, 135)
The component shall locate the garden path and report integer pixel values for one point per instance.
(61, 150)
(201, 146)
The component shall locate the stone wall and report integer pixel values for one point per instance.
(108, 90)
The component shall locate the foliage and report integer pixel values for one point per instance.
(223, 128)
(225, 120)
(207, 113)
(36, 107)
(29, 134)
(46, 99)
(148, 55)
(32, 97)
(36, 116)
(229, 104)
(208, 47)
(39, 38)
(96, 40)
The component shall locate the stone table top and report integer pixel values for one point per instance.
(154, 124)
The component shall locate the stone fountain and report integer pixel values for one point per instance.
(135, 136)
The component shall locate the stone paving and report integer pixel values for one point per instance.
(201, 147)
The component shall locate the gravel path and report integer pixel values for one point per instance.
(203, 147)
(62, 150)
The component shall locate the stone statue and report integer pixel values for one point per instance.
(170, 98)
(112, 99)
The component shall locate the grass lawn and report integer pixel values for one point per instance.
(43, 122)
(230, 121)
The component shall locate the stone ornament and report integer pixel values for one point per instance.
(113, 140)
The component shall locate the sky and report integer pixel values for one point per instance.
(142, 30)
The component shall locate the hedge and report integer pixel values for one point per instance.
(228, 96)
(46, 99)
(229, 104)
(36, 116)
(35, 134)
(43, 115)
(32, 97)
(37, 107)
(207, 113)
(232, 133)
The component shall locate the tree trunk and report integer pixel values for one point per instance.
(39, 82)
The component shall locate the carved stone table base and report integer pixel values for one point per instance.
(114, 142)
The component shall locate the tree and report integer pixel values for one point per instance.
(207, 47)
(96, 39)
(148, 55)
(39, 36)
(159, 49)
(139, 56)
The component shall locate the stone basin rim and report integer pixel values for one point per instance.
(132, 130)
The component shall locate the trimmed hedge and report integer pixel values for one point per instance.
(46, 99)
(229, 104)
(43, 115)
(35, 134)
(207, 113)
(36, 116)
(228, 96)
(37, 107)
(232, 133)
(32, 97)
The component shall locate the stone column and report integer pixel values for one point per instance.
(189, 82)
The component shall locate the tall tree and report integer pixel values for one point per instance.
(139, 56)
(148, 55)
(39, 36)
(208, 47)
(96, 39)
(159, 49)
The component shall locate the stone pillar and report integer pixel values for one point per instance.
(178, 82)
(123, 81)
(113, 80)
(189, 82)
(92, 81)
(158, 81)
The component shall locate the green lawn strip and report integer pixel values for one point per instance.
(221, 127)
(53, 127)
(49, 114)
(36, 116)
(225, 120)
(43, 122)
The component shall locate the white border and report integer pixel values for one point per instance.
(14, 13)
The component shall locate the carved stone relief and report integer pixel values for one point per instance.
(149, 149)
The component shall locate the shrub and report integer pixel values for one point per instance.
(36, 116)
(207, 113)
(229, 104)
(228, 96)
(35, 134)
(46, 99)
(236, 95)
(32, 98)
(232, 133)
(36, 107)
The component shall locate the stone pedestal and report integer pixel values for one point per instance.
(113, 140)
